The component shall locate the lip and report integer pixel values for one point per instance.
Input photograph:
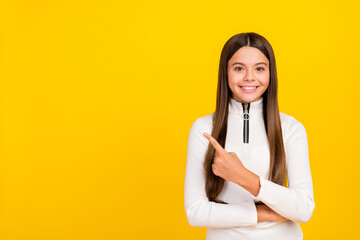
(249, 90)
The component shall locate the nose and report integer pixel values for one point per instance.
(249, 76)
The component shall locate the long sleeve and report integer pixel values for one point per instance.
(201, 212)
(297, 201)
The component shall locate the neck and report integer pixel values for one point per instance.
(254, 107)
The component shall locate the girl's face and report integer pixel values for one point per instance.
(248, 74)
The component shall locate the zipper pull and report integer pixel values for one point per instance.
(246, 117)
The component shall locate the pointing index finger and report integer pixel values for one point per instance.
(215, 144)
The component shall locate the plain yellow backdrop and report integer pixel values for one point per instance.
(97, 100)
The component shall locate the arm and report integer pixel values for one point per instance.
(267, 214)
(200, 212)
(296, 202)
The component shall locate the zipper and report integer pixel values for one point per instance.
(246, 117)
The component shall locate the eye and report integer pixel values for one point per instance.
(238, 68)
(260, 69)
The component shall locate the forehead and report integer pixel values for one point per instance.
(248, 55)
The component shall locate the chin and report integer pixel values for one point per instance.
(247, 99)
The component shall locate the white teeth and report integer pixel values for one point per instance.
(249, 88)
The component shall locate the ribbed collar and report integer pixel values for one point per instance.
(237, 108)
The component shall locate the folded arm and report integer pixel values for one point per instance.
(201, 212)
(297, 201)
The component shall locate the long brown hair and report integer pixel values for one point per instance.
(271, 115)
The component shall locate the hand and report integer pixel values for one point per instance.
(226, 164)
(267, 214)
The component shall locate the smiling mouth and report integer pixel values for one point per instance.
(248, 89)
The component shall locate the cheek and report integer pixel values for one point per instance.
(265, 80)
(232, 78)
(265, 83)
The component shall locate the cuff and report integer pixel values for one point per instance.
(251, 217)
(263, 184)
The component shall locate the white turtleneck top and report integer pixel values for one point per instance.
(238, 219)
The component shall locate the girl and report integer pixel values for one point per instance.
(235, 181)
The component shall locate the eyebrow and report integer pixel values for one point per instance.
(244, 64)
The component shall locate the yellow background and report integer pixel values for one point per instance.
(97, 100)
